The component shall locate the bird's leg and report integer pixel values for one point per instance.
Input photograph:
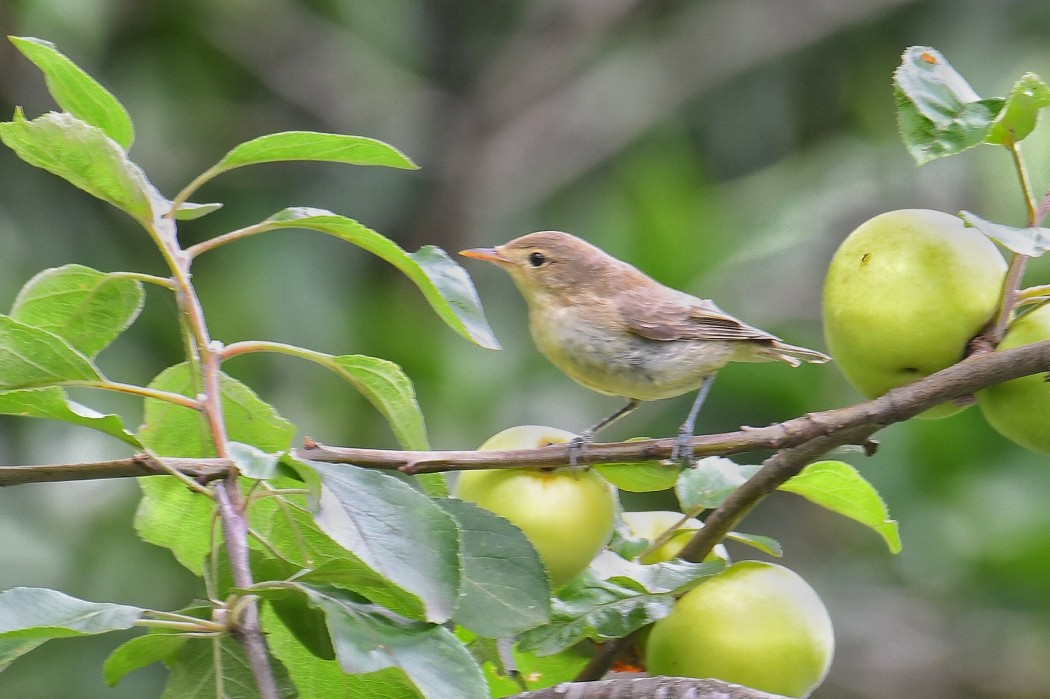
(578, 446)
(683, 446)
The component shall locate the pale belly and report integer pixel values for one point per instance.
(628, 365)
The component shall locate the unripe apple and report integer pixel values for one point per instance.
(1020, 409)
(905, 292)
(650, 525)
(756, 624)
(568, 516)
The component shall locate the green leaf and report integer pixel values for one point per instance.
(505, 589)
(198, 671)
(390, 390)
(306, 623)
(87, 158)
(175, 430)
(938, 113)
(253, 462)
(368, 640)
(52, 403)
(1021, 110)
(642, 477)
(395, 530)
(444, 284)
(839, 487)
(1032, 242)
(188, 211)
(32, 358)
(140, 652)
(764, 544)
(456, 291)
(669, 577)
(601, 610)
(169, 514)
(297, 539)
(539, 672)
(77, 92)
(712, 481)
(317, 678)
(172, 516)
(11, 649)
(310, 145)
(31, 615)
(85, 307)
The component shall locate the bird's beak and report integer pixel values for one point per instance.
(488, 254)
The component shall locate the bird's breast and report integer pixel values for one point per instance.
(593, 347)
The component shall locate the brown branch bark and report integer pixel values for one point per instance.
(645, 687)
(203, 470)
(958, 381)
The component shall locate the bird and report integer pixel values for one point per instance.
(615, 330)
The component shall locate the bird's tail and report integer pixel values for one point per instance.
(792, 354)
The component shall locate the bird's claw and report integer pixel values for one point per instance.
(683, 450)
(578, 450)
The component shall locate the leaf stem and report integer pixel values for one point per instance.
(204, 246)
(249, 346)
(141, 391)
(1033, 292)
(1031, 207)
(1018, 262)
(162, 465)
(187, 191)
(164, 282)
(196, 626)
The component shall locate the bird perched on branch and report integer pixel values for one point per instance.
(617, 331)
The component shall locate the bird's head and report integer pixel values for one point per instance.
(550, 265)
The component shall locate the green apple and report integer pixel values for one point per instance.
(905, 292)
(756, 624)
(1020, 409)
(650, 525)
(567, 515)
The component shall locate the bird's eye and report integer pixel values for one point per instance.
(537, 259)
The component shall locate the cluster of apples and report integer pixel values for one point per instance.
(756, 624)
(904, 295)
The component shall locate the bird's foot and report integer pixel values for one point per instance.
(578, 450)
(683, 449)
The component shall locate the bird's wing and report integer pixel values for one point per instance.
(683, 317)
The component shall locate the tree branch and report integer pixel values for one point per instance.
(963, 379)
(642, 687)
(775, 471)
(203, 470)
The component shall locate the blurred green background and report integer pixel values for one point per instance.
(724, 146)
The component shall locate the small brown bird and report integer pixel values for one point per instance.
(617, 331)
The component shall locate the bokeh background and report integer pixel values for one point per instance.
(724, 146)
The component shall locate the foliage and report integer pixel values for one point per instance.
(365, 579)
